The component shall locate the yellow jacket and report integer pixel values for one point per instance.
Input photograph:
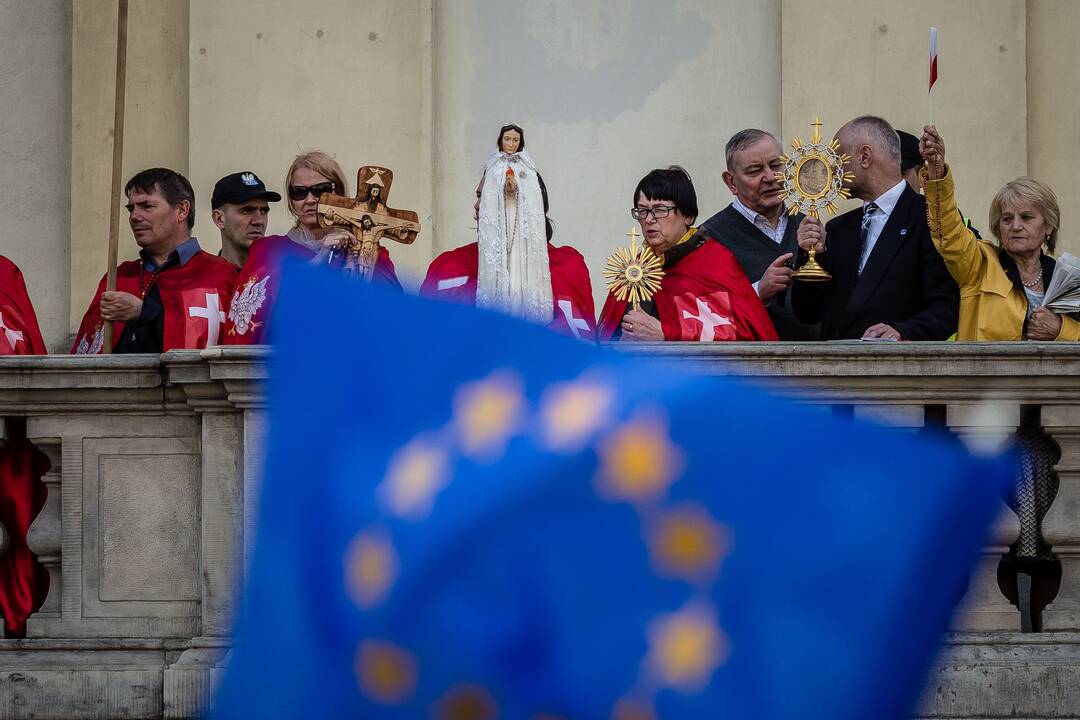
(991, 306)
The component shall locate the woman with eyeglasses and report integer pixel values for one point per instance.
(704, 294)
(310, 175)
(1003, 283)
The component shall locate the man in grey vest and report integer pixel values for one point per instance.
(757, 229)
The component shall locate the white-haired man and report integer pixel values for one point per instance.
(888, 280)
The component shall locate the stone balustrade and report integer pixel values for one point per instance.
(151, 507)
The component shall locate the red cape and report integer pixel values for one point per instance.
(194, 297)
(257, 287)
(705, 296)
(23, 582)
(19, 331)
(452, 276)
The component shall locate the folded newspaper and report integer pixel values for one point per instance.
(1063, 291)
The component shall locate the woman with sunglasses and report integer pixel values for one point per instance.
(310, 175)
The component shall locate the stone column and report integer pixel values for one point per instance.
(221, 392)
(190, 681)
(985, 428)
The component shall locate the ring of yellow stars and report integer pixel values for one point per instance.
(571, 412)
(688, 544)
(488, 412)
(386, 673)
(416, 475)
(467, 702)
(371, 567)
(637, 461)
(685, 648)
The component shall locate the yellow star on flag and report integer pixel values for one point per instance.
(386, 673)
(637, 461)
(467, 702)
(371, 567)
(571, 412)
(415, 476)
(487, 413)
(686, 543)
(685, 648)
(631, 710)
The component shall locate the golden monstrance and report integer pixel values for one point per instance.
(813, 180)
(634, 273)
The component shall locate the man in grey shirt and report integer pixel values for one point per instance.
(757, 229)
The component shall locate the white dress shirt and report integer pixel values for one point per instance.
(885, 205)
(776, 234)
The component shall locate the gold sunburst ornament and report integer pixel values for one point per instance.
(634, 273)
(813, 180)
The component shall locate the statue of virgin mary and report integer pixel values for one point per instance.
(513, 274)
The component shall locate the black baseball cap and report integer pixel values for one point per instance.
(909, 151)
(240, 187)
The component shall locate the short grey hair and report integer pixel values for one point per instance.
(742, 140)
(877, 132)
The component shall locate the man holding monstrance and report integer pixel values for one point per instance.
(872, 273)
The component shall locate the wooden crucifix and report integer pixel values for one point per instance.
(368, 217)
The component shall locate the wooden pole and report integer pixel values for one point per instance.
(118, 158)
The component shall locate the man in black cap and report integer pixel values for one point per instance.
(240, 208)
(910, 160)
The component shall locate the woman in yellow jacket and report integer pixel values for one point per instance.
(1001, 287)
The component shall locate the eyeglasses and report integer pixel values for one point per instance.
(660, 211)
(300, 192)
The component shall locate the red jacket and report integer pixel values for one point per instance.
(705, 296)
(452, 276)
(195, 297)
(19, 331)
(257, 286)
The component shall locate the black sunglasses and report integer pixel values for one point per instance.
(299, 192)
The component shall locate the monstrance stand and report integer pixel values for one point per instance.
(634, 273)
(813, 180)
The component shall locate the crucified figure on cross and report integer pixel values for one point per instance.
(368, 218)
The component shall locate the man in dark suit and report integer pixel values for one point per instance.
(888, 280)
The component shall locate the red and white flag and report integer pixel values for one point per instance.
(933, 57)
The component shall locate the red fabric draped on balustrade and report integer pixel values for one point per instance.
(23, 581)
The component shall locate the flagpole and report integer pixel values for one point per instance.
(933, 69)
(118, 159)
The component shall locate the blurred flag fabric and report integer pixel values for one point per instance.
(467, 517)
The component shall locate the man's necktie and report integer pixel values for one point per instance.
(864, 233)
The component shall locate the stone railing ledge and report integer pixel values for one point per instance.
(34, 385)
(933, 372)
(218, 378)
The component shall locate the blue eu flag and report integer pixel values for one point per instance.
(466, 517)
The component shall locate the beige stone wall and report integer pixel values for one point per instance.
(155, 123)
(1053, 115)
(605, 92)
(35, 141)
(842, 59)
(271, 79)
